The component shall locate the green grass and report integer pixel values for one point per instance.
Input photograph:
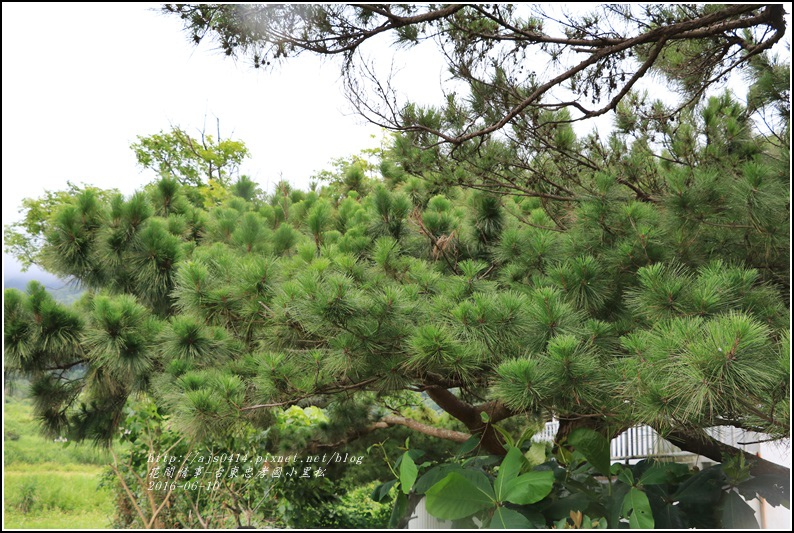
(23, 443)
(57, 520)
(50, 485)
(56, 499)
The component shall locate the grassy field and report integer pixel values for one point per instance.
(49, 485)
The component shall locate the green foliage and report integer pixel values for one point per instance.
(638, 510)
(408, 473)
(55, 498)
(148, 496)
(771, 85)
(457, 497)
(33, 493)
(49, 483)
(548, 319)
(453, 492)
(24, 447)
(190, 161)
(662, 303)
(23, 239)
(593, 446)
(353, 510)
(477, 493)
(246, 188)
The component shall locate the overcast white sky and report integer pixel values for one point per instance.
(80, 81)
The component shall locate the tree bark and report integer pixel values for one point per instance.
(395, 420)
(471, 417)
(568, 425)
(713, 449)
(441, 433)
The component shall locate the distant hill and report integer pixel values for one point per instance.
(15, 283)
(63, 291)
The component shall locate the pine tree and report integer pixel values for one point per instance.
(506, 268)
(666, 307)
(517, 72)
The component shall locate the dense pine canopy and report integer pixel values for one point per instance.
(611, 308)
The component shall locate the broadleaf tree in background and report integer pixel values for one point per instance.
(501, 265)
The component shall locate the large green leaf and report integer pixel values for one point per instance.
(529, 488)
(508, 471)
(637, 509)
(703, 490)
(614, 504)
(594, 446)
(536, 454)
(399, 510)
(625, 475)
(382, 490)
(659, 473)
(666, 515)
(776, 490)
(433, 476)
(457, 496)
(469, 445)
(735, 513)
(505, 518)
(669, 517)
(408, 473)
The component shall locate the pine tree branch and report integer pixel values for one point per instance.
(441, 433)
(274, 404)
(763, 416)
(710, 447)
(709, 25)
(761, 441)
(65, 366)
(396, 420)
(523, 220)
(417, 218)
(453, 405)
(471, 418)
(327, 391)
(641, 195)
(496, 411)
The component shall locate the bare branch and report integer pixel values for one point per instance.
(441, 433)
